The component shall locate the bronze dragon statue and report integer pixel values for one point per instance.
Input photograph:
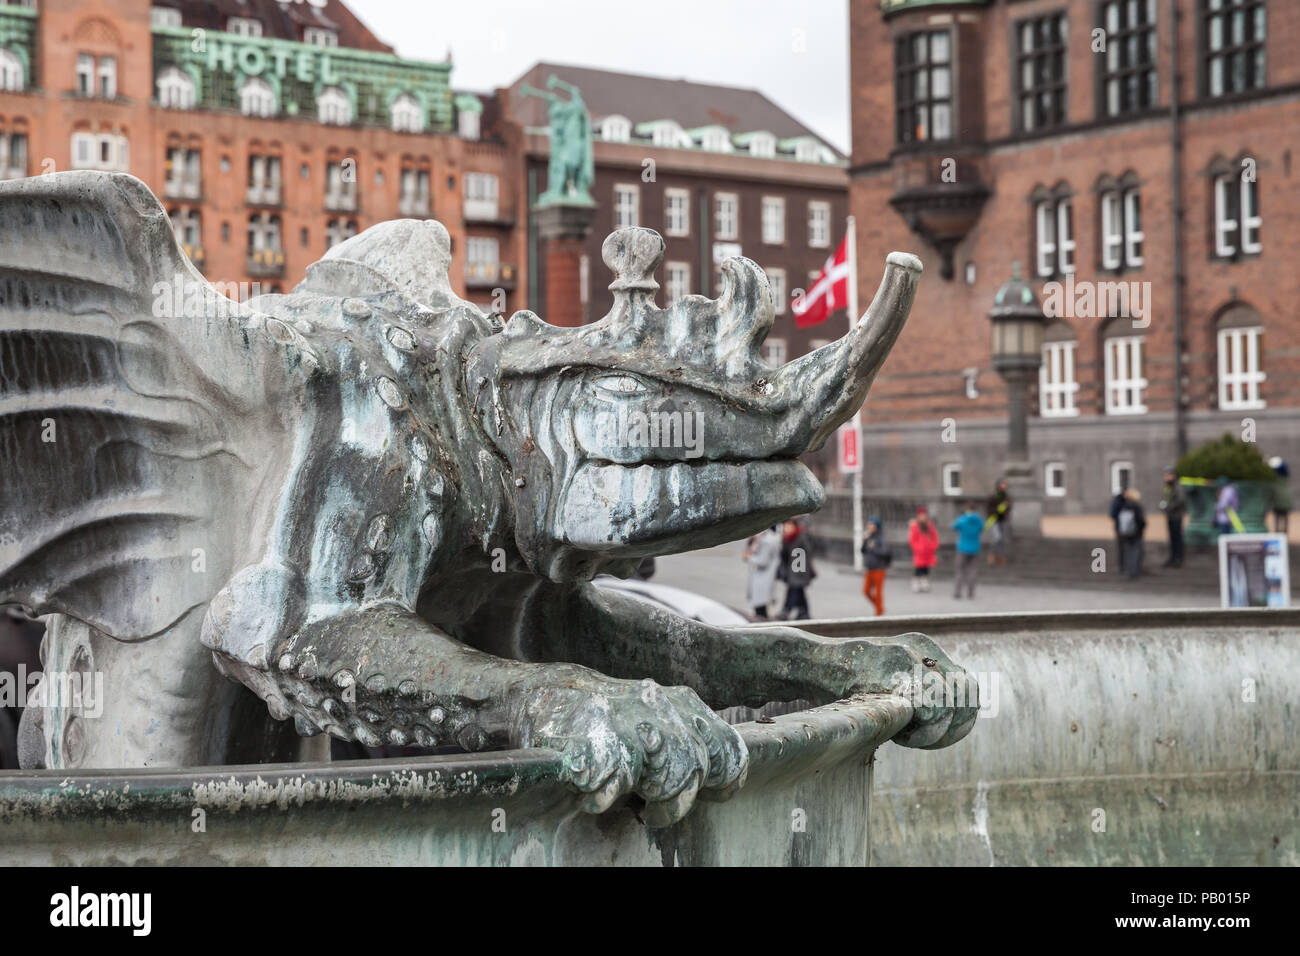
(380, 509)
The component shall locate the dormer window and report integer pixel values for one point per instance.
(244, 27)
(762, 145)
(176, 89)
(319, 36)
(256, 98)
(11, 71)
(333, 107)
(668, 133)
(469, 124)
(807, 151)
(164, 17)
(616, 129)
(407, 114)
(716, 139)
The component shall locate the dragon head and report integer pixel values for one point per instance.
(654, 431)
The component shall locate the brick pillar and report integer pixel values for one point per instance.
(563, 231)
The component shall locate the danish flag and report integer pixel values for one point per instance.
(830, 291)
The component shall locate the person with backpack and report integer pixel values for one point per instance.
(796, 570)
(923, 539)
(969, 526)
(1130, 525)
(876, 556)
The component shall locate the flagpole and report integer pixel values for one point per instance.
(851, 225)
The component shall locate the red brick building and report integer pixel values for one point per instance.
(271, 130)
(1052, 133)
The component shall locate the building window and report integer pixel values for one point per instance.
(679, 281)
(627, 206)
(256, 98)
(107, 71)
(773, 220)
(13, 155)
(1128, 76)
(263, 180)
(716, 139)
(923, 86)
(469, 123)
(184, 174)
(166, 17)
(482, 258)
(726, 216)
(337, 230)
(1121, 476)
(341, 186)
(85, 74)
(333, 107)
(1239, 352)
(12, 75)
(762, 145)
(1054, 479)
(1236, 215)
(774, 352)
(101, 151)
(413, 198)
(677, 212)
(808, 151)
(776, 282)
(1040, 72)
(264, 239)
(1121, 226)
(1053, 232)
(819, 224)
(481, 195)
(616, 129)
(407, 114)
(668, 133)
(319, 36)
(187, 225)
(1056, 382)
(244, 27)
(176, 89)
(1232, 46)
(951, 479)
(1125, 386)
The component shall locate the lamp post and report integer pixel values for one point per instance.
(1018, 327)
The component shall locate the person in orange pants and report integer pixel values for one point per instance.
(876, 557)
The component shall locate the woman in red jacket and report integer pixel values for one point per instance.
(923, 537)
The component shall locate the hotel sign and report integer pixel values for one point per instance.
(307, 64)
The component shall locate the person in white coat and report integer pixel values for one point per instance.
(763, 555)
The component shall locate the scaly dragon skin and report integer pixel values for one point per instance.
(421, 499)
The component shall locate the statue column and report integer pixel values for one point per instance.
(563, 229)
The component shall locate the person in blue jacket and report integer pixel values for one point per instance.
(969, 525)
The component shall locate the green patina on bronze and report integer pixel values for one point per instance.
(572, 169)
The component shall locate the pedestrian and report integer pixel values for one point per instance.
(1282, 501)
(763, 555)
(998, 520)
(1173, 502)
(1116, 503)
(969, 526)
(1225, 509)
(923, 539)
(1131, 524)
(796, 570)
(876, 556)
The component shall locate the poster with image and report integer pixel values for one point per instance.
(1253, 570)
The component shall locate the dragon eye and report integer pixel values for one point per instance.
(620, 384)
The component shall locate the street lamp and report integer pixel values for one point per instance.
(1018, 326)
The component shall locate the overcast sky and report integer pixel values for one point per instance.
(795, 51)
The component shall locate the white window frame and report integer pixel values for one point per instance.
(1125, 387)
(616, 129)
(726, 216)
(333, 108)
(406, 115)
(320, 36)
(244, 26)
(1056, 381)
(1133, 234)
(256, 97)
(482, 196)
(1240, 374)
(106, 77)
(716, 139)
(1049, 469)
(12, 77)
(775, 352)
(164, 17)
(1250, 218)
(482, 256)
(807, 151)
(762, 145)
(627, 205)
(106, 151)
(774, 220)
(951, 489)
(469, 124)
(85, 74)
(677, 281)
(677, 212)
(669, 133)
(819, 224)
(1116, 469)
(176, 90)
(1112, 230)
(776, 281)
(1055, 255)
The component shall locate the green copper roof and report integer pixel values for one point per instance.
(297, 72)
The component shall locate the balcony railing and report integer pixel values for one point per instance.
(266, 262)
(182, 189)
(479, 275)
(413, 205)
(267, 194)
(482, 210)
(341, 202)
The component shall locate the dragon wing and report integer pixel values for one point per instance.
(144, 417)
